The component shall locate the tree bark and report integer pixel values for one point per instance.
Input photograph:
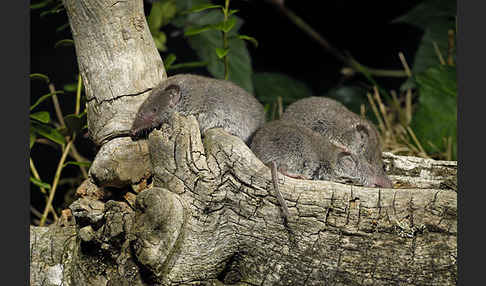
(119, 64)
(212, 218)
(211, 215)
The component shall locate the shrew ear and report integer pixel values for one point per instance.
(362, 132)
(174, 93)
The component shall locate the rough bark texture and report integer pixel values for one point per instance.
(212, 218)
(119, 65)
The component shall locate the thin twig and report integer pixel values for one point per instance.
(74, 152)
(57, 107)
(37, 176)
(404, 136)
(78, 95)
(396, 105)
(299, 22)
(448, 143)
(408, 105)
(47, 142)
(225, 41)
(382, 107)
(405, 65)
(414, 138)
(439, 54)
(377, 114)
(38, 214)
(80, 158)
(279, 106)
(451, 46)
(56, 180)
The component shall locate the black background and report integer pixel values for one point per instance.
(361, 27)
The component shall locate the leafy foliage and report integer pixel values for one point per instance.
(435, 118)
(206, 38)
(160, 15)
(42, 125)
(211, 31)
(270, 86)
(435, 18)
(353, 97)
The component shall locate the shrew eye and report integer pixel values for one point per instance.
(346, 160)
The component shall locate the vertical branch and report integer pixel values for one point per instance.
(55, 183)
(37, 176)
(225, 41)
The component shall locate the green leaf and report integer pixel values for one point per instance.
(160, 14)
(39, 76)
(426, 55)
(42, 116)
(160, 39)
(352, 97)
(55, 10)
(183, 5)
(240, 70)
(268, 86)
(435, 18)
(48, 132)
(62, 27)
(250, 39)
(181, 20)
(436, 115)
(32, 138)
(74, 123)
(426, 11)
(64, 43)
(196, 30)
(154, 19)
(39, 183)
(221, 52)
(169, 60)
(225, 26)
(81, 164)
(201, 7)
(229, 24)
(232, 11)
(188, 65)
(70, 87)
(40, 4)
(44, 97)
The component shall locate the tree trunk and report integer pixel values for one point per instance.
(119, 65)
(211, 216)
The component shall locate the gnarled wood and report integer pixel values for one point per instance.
(213, 217)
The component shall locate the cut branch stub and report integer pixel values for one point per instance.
(233, 230)
(121, 162)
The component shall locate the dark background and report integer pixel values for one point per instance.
(361, 27)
